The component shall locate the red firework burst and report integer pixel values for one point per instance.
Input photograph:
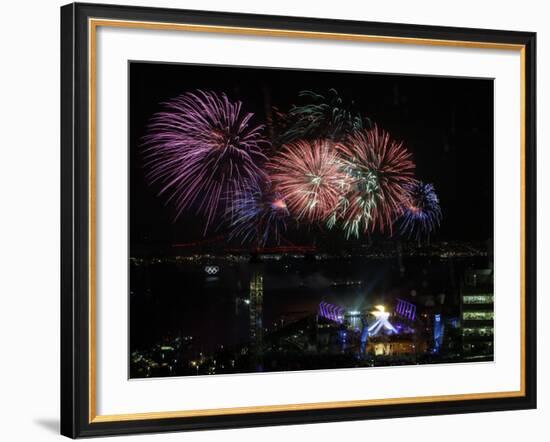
(310, 178)
(373, 154)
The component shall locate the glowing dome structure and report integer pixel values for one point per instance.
(381, 323)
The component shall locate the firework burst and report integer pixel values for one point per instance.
(257, 216)
(382, 169)
(310, 178)
(354, 211)
(201, 149)
(422, 213)
(322, 116)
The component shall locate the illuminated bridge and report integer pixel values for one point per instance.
(220, 242)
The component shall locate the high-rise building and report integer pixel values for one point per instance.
(256, 314)
(477, 314)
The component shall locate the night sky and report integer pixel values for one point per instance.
(447, 124)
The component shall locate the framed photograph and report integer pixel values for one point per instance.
(279, 220)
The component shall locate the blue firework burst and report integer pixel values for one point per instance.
(257, 215)
(421, 213)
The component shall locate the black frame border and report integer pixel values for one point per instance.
(75, 220)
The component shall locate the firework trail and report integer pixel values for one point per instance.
(310, 178)
(322, 117)
(201, 149)
(382, 169)
(257, 216)
(422, 214)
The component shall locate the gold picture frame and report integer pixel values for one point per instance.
(80, 24)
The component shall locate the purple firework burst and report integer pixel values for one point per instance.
(258, 215)
(200, 150)
(422, 214)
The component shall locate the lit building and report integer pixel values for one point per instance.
(438, 330)
(477, 314)
(255, 310)
(398, 345)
